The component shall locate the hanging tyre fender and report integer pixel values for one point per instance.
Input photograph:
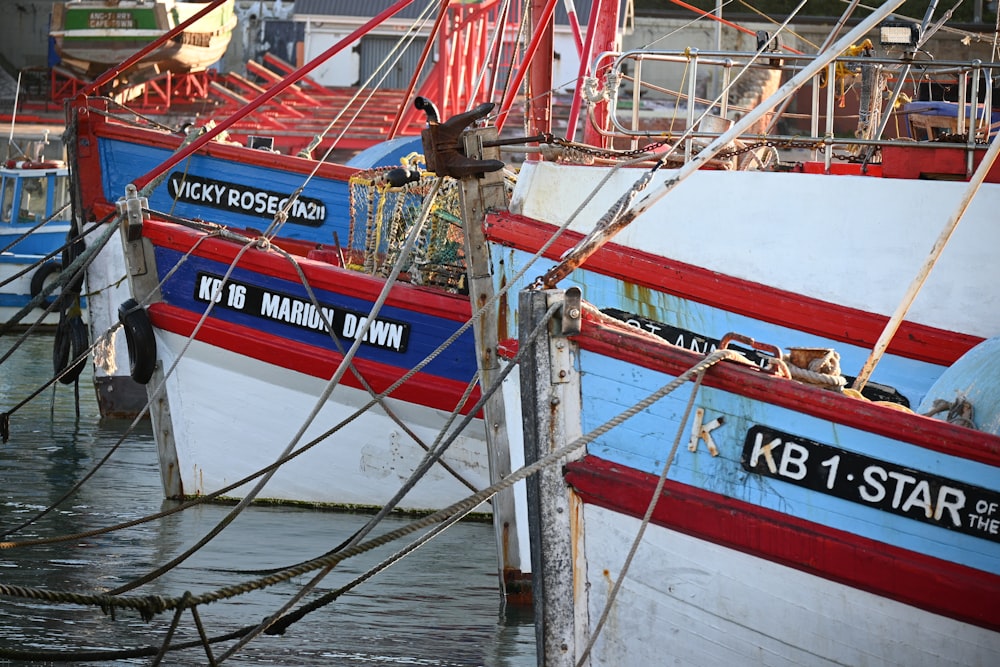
(71, 342)
(38, 278)
(140, 340)
(69, 255)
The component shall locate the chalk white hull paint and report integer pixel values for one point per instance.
(687, 601)
(850, 240)
(239, 414)
(107, 288)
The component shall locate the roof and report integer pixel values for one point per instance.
(368, 8)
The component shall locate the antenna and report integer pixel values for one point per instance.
(13, 116)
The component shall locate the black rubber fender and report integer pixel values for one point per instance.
(38, 279)
(71, 342)
(69, 255)
(140, 340)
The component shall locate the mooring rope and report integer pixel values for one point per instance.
(270, 622)
(425, 464)
(364, 382)
(4, 432)
(235, 512)
(4, 426)
(150, 605)
(77, 266)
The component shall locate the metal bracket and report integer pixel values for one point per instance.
(560, 348)
(571, 311)
(775, 364)
(441, 141)
(131, 208)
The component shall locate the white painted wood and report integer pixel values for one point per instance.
(477, 194)
(232, 415)
(107, 288)
(690, 602)
(850, 240)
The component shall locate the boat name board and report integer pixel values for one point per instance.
(684, 338)
(382, 333)
(861, 479)
(244, 199)
(117, 20)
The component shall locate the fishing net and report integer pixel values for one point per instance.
(382, 216)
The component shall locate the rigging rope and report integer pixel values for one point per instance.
(150, 605)
(650, 507)
(398, 51)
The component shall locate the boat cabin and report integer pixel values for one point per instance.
(31, 192)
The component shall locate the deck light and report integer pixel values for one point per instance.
(899, 33)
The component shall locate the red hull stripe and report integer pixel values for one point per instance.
(787, 309)
(422, 389)
(932, 584)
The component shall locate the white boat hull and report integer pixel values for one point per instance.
(118, 396)
(238, 414)
(692, 602)
(853, 241)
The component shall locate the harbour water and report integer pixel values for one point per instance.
(437, 606)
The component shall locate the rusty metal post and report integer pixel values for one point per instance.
(550, 407)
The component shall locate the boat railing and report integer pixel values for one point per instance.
(661, 95)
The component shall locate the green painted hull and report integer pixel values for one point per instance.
(93, 35)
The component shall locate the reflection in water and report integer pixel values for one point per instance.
(439, 606)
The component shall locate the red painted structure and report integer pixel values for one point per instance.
(281, 101)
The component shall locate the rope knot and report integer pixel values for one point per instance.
(815, 365)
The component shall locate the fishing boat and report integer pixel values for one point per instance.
(346, 375)
(289, 348)
(34, 223)
(715, 233)
(781, 510)
(711, 510)
(91, 36)
(267, 339)
(244, 184)
(226, 182)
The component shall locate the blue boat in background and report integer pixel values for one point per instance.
(34, 222)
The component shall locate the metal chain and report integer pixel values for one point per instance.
(649, 148)
(607, 153)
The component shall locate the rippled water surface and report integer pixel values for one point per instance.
(438, 606)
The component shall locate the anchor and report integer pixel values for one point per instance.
(442, 148)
